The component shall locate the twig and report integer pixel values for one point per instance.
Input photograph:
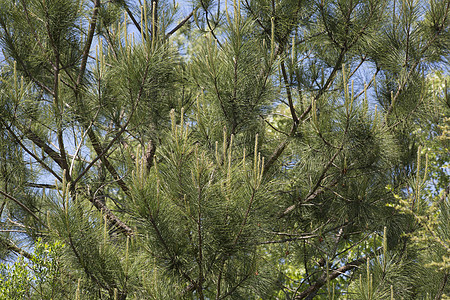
(181, 23)
(312, 290)
(23, 206)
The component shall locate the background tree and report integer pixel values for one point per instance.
(254, 149)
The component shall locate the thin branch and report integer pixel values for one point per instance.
(288, 92)
(363, 59)
(111, 217)
(12, 230)
(280, 148)
(36, 37)
(288, 240)
(244, 221)
(87, 46)
(101, 152)
(181, 24)
(315, 190)
(83, 264)
(80, 144)
(209, 24)
(6, 195)
(231, 291)
(312, 290)
(273, 127)
(41, 144)
(135, 22)
(41, 185)
(40, 161)
(12, 247)
(442, 287)
(200, 279)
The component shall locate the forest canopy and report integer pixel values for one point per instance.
(215, 149)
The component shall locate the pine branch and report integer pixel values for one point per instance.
(244, 221)
(12, 247)
(41, 162)
(173, 257)
(280, 148)
(87, 46)
(442, 287)
(57, 106)
(41, 144)
(233, 289)
(150, 154)
(124, 228)
(248, 6)
(288, 92)
(36, 37)
(310, 292)
(200, 279)
(10, 41)
(130, 14)
(83, 264)
(273, 127)
(288, 240)
(6, 195)
(41, 185)
(101, 152)
(418, 60)
(209, 24)
(329, 32)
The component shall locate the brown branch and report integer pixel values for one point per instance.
(58, 113)
(6, 195)
(312, 195)
(288, 240)
(255, 16)
(83, 264)
(329, 32)
(273, 127)
(87, 46)
(442, 287)
(181, 24)
(201, 278)
(231, 291)
(244, 221)
(36, 37)
(209, 24)
(41, 144)
(101, 152)
(280, 148)
(111, 217)
(41, 185)
(150, 154)
(94, 140)
(9, 41)
(288, 92)
(324, 172)
(312, 290)
(172, 255)
(12, 247)
(40, 161)
(135, 22)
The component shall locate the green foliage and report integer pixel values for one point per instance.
(243, 150)
(15, 280)
(33, 278)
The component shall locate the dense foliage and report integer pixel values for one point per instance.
(224, 150)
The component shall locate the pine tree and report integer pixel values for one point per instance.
(240, 150)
